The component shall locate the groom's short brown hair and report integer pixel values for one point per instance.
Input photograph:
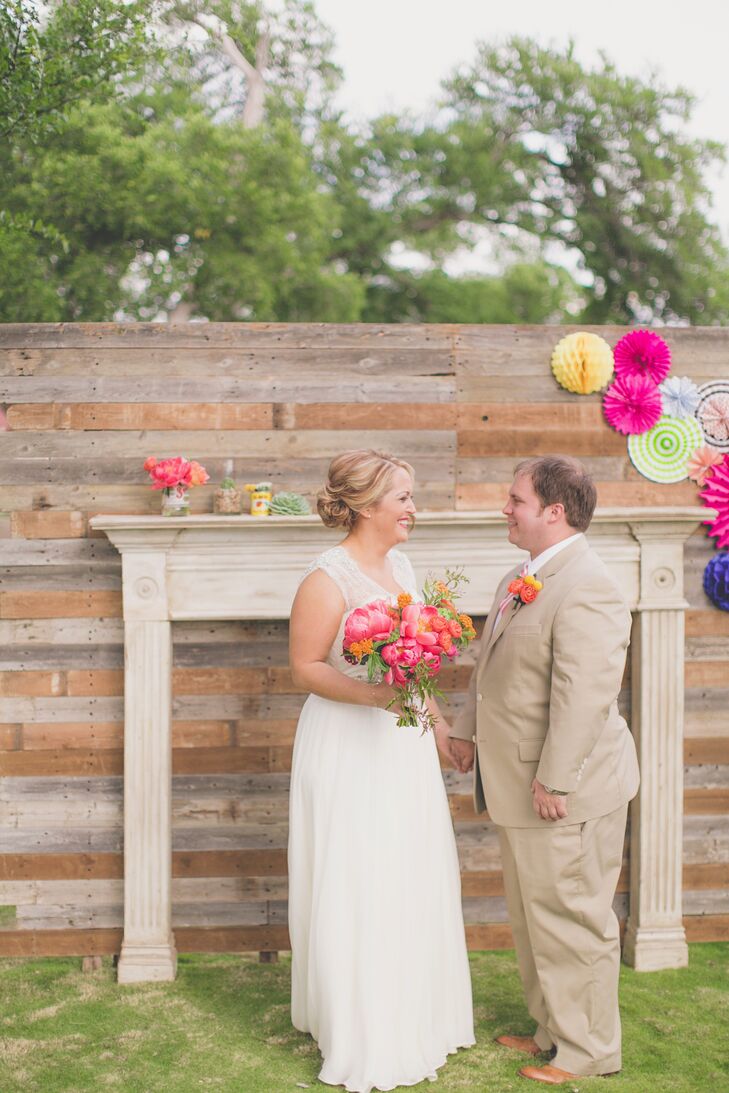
(560, 479)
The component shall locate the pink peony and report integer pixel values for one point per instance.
(633, 404)
(371, 621)
(716, 495)
(642, 353)
(169, 473)
(397, 676)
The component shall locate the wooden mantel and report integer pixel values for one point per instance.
(242, 567)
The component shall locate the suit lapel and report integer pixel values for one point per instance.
(506, 617)
(554, 565)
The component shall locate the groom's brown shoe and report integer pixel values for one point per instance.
(527, 1045)
(549, 1075)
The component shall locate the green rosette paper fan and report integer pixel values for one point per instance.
(663, 452)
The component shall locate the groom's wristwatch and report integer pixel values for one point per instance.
(556, 792)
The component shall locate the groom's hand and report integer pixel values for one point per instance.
(550, 806)
(463, 752)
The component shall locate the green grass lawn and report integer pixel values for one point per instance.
(224, 1025)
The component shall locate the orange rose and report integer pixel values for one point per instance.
(445, 640)
(455, 628)
(438, 623)
(528, 593)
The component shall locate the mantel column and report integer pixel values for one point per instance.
(148, 950)
(655, 936)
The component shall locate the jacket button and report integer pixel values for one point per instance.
(479, 697)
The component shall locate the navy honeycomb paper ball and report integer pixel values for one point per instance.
(716, 580)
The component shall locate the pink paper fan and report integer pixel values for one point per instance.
(701, 462)
(715, 494)
(714, 416)
(642, 353)
(633, 404)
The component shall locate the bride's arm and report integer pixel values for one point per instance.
(315, 617)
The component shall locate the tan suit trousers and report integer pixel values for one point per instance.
(560, 883)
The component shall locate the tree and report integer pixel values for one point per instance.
(52, 59)
(593, 161)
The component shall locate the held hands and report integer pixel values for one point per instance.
(550, 806)
(462, 753)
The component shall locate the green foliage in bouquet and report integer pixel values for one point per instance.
(287, 503)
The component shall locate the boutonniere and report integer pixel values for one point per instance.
(525, 589)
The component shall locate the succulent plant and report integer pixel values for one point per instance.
(290, 504)
(227, 484)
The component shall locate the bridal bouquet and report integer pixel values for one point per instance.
(406, 645)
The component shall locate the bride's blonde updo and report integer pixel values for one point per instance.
(356, 480)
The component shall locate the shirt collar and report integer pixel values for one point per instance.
(535, 564)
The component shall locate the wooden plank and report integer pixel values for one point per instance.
(49, 524)
(13, 684)
(489, 936)
(514, 440)
(706, 927)
(96, 416)
(705, 875)
(61, 657)
(105, 576)
(707, 749)
(34, 943)
(74, 603)
(707, 673)
(710, 621)
(372, 415)
(92, 553)
(492, 495)
(301, 377)
(699, 352)
(199, 444)
(703, 802)
(51, 763)
(498, 468)
(100, 761)
(57, 632)
(118, 478)
(322, 336)
(38, 943)
(101, 866)
(67, 736)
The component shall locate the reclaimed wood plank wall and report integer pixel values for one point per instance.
(84, 406)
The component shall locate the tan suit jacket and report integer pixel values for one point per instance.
(542, 699)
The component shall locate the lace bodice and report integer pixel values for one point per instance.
(358, 589)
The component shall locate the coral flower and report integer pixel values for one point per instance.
(198, 476)
(633, 404)
(642, 353)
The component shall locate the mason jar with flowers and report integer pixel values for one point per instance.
(175, 477)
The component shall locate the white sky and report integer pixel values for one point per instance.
(394, 53)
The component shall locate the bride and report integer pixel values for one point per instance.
(380, 972)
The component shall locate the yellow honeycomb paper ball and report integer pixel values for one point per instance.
(582, 363)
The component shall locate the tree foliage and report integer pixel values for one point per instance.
(180, 158)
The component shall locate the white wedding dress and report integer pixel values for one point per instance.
(380, 974)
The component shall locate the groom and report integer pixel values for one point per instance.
(556, 764)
